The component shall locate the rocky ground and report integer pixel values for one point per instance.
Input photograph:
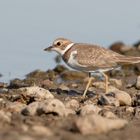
(49, 105)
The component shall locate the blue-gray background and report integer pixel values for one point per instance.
(28, 26)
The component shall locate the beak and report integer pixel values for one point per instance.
(48, 49)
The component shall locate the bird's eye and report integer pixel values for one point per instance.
(58, 43)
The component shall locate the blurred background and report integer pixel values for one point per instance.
(29, 26)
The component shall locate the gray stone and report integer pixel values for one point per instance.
(95, 124)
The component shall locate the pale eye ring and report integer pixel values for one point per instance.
(58, 43)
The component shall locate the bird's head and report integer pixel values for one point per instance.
(60, 45)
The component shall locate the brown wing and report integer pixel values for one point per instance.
(96, 57)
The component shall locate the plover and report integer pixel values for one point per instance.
(90, 58)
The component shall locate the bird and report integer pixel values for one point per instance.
(90, 58)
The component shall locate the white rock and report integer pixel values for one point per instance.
(123, 97)
(72, 104)
(53, 106)
(138, 82)
(95, 124)
(89, 109)
(37, 93)
(42, 130)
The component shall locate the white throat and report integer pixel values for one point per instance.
(62, 52)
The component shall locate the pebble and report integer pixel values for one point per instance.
(41, 130)
(123, 97)
(108, 100)
(31, 109)
(64, 87)
(138, 82)
(37, 93)
(89, 109)
(130, 109)
(95, 124)
(53, 106)
(72, 104)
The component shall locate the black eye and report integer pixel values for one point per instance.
(58, 43)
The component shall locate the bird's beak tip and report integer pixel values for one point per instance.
(48, 49)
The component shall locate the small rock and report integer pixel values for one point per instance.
(69, 111)
(108, 100)
(64, 87)
(116, 82)
(130, 109)
(15, 106)
(72, 104)
(89, 109)
(42, 130)
(31, 109)
(53, 106)
(95, 124)
(138, 82)
(123, 97)
(74, 85)
(47, 84)
(109, 114)
(37, 93)
(5, 116)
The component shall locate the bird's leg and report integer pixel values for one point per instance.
(106, 82)
(88, 84)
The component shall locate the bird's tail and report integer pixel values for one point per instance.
(129, 60)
